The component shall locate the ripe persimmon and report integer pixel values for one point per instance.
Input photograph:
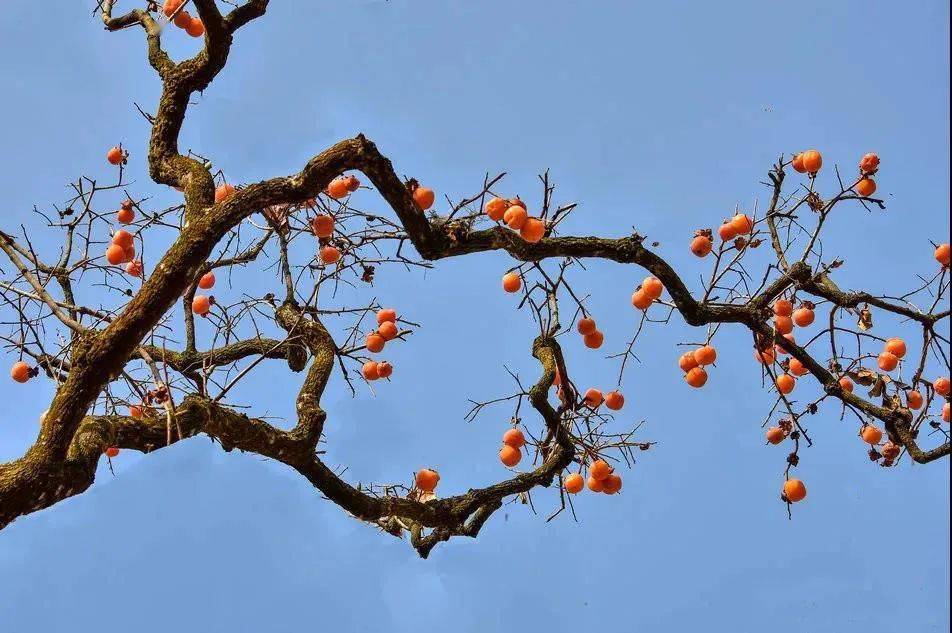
(322, 225)
(223, 192)
(896, 346)
(115, 155)
(687, 362)
(424, 198)
(871, 434)
(783, 324)
(201, 304)
(812, 161)
(533, 230)
(370, 370)
(866, 187)
(182, 19)
(388, 330)
(594, 340)
(942, 386)
(511, 282)
(20, 371)
(510, 455)
(496, 208)
(375, 343)
(593, 484)
(573, 483)
(135, 411)
(337, 188)
(585, 326)
(125, 215)
(329, 254)
(727, 232)
(514, 437)
(384, 369)
(803, 316)
(765, 356)
(515, 217)
(111, 452)
(846, 384)
(115, 254)
(599, 470)
(942, 253)
(797, 163)
(696, 377)
(427, 479)
(869, 163)
(122, 238)
(945, 412)
(742, 224)
(705, 355)
(640, 300)
(134, 268)
(794, 490)
(207, 281)
(195, 27)
(614, 400)
(785, 383)
(775, 435)
(386, 314)
(593, 398)
(913, 399)
(652, 287)
(783, 307)
(701, 245)
(171, 6)
(887, 361)
(797, 368)
(611, 484)
(352, 182)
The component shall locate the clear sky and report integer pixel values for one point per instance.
(661, 116)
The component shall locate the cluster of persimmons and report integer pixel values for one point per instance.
(513, 213)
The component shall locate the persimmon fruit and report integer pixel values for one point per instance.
(514, 437)
(573, 483)
(20, 371)
(515, 217)
(533, 230)
(593, 398)
(794, 490)
(329, 254)
(510, 455)
(803, 316)
(614, 400)
(375, 343)
(496, 208)
(424, 198)
(871, 434)
(427, 479)
(388, 330)
(705, 355)
(511, 282)
(887, 361)
(594, 340)
(812, 161)
(785, 383)
(701, 246)
(696, 377)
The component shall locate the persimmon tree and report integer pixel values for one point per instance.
(130, 374)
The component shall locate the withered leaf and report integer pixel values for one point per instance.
(865, 319)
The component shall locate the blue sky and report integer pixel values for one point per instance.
(659, 116)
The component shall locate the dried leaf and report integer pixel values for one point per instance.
(865, 319)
